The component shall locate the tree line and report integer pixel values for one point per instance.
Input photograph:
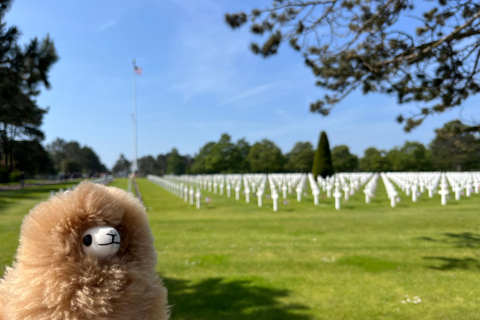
(70, 157)
(452, 149)
(60, 156)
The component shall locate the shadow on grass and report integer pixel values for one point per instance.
(455, 263)
(459, 240)
(465, 239)
(216, 298)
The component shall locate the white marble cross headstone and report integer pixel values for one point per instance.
(185, 193)
(316, 193)
(221, 185)
(247, 194)
(422, 186)
(259, 195)
(237, 192)
(414, 192)
(367, 195)
(407, 189)
(198, 196)
(337, 195)
(329, 188)
(346, 190)
(393, 198)
(430, 188)
(299, 193)
(476, 185)
(457, 190)
(275, 200)
(191, 192)
(443, 191)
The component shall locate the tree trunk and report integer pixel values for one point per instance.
(4, 139)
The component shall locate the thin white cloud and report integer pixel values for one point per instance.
(107, 25)
(282, 112)
(252, 92)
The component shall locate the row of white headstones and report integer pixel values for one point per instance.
(188, 187)
(341, 185)
(415, 184)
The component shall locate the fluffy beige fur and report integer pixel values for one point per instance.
(52, 279)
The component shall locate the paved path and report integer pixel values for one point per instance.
(17, 186)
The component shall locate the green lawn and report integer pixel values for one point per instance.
(14, 205)
(232, 260)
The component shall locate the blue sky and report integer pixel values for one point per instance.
(199, 80)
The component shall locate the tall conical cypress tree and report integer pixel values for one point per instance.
(322, 162)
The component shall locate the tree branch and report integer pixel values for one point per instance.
(453, 35)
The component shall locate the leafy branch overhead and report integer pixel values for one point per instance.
(360, 44)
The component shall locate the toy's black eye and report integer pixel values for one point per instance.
(87, 240)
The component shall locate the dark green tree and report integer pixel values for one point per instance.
(239, 163)
(222, 157)
(147, 165)
(175, 163)
(122, 166)
(87, 160)
(412, 156)
(265, 157)
(343, 160)
(219, 159)
(188, 163)
(32, 158)
(200, 165)
(90, 161)
(22, 72)
(396, 160)
(70, 165)
(322, 161)
(300, 158)
(57, 152)
(455, 149)
(361, 44)
(243, 148)
(374, 160)
(161, 164)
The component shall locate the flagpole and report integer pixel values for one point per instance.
(134, 164)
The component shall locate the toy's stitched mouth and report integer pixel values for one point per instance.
(107, 244)
(113, 235)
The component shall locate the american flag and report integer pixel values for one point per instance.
(137, 69)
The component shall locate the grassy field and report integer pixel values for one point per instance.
(14, 204)
(232, 260)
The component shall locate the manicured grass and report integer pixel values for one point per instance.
(232, 260)
(14, 205)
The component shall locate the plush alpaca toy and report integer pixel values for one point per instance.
(85, 254)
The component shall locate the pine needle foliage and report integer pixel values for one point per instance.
(424, 52)
(322, 162)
